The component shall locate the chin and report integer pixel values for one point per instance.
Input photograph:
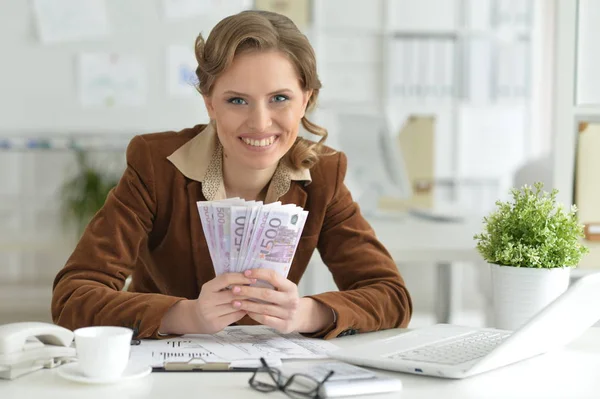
(261, 164)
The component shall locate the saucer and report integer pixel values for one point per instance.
(71, 371)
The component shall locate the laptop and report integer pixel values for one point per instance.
(452, 351)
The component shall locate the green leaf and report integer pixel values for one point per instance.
(84, 194)
(532, 230)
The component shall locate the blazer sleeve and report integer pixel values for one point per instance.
(372, 293)
(87, 291)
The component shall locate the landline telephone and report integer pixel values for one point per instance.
(29, 346)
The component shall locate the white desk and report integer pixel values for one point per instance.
(571, 372)
(411, 239)
(417, 240)
(420, 240)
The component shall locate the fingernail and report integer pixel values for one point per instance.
(236, 290)
(253, 281)
(237, 304)
(248, 273)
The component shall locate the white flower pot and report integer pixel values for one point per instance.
(519, 293)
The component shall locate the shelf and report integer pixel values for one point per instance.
(501, 35)
(105, 142)
(587, 112)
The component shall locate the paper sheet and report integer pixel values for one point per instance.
(65, 20)
(181, 72)
(111, 80)
(232, 344)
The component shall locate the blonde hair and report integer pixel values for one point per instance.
(259, 31)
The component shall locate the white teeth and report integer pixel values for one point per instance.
(259, 143)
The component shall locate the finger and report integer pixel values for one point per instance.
(272, 277)
(264, 294)
(232, 317)
(224, 297)
(262, 308)
(270, 321)
(227, 279)
(222, 310)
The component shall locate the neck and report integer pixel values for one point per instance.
(245, 183)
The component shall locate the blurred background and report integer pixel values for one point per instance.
(441, 105)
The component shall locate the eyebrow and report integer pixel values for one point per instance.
(237, 93)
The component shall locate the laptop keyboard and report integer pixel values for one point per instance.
(455, 350)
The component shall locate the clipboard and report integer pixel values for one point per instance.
(210, 367)
(198, 365)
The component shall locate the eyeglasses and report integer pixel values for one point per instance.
(268, 379)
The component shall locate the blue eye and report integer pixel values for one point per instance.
(236, 101)
(279, 98)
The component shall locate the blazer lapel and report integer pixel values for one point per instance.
(295, 195)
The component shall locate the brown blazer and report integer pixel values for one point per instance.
(149, 228)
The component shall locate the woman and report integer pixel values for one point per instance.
(258, 77)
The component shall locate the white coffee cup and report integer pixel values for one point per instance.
(103, 351)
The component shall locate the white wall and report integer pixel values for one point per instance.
(38, 82)
(588, 58)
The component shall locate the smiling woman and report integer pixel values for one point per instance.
(257, 75)
(258, 81)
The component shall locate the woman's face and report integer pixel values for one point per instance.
(257, 104)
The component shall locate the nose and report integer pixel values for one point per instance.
(259, 118)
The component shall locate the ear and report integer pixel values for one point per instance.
(307, 96)
(209, 106)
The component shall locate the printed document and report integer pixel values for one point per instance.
(234, 343)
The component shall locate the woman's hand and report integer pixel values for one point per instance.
(211, 312)
(283, 310)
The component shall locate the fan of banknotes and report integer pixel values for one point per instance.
(245, 235)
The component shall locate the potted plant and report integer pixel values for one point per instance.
(531, 244)
(84, 194)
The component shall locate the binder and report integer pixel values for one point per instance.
(297, 10)
(592, 231)
(587, 185)
(416, 141)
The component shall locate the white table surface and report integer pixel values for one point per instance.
(413, 239)
(571, 372)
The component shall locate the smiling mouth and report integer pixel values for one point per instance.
(259, 143)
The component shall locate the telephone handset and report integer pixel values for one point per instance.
(30, 346)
